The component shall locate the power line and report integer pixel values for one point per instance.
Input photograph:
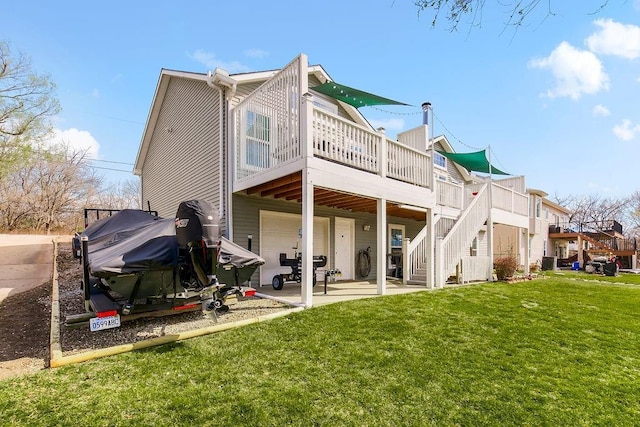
(451, 133)
(110, 169)
(111, 161)
(492, 153)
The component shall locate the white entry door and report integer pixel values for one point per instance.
(344, 247)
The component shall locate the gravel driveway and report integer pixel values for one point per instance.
(25, 321)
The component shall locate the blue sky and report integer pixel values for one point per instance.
(558, 100)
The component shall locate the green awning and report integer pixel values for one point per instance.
(354, 97)
(476, 162)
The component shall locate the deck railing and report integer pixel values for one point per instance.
(350, 144)
(474, 268)
(408, 164)
(267, 124)
(417, 251)
(449, 250)
(341, 141)
(271, 126)
(449, 194)
(510, 200)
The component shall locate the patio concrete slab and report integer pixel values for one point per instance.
(339, 291)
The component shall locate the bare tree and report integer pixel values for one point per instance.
(48, 191)
(594, 210)
(27, 102)
(516, 12)
(121, 195)
(634, 215)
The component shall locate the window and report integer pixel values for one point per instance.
(396, 233)
(473, 250)
(439, 160)
(538, 207)
(258, 135)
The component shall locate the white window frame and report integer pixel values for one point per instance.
(257, 132)
(389, 235)
(436, 157)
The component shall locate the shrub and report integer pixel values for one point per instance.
(505, 267)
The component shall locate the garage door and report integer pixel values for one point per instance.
(279, 233)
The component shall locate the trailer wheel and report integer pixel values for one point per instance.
(277, 282)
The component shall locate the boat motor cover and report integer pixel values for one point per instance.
(197, 220)
(129, 242)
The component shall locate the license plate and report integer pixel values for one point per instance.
(101, 323)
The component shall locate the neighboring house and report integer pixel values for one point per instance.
(543, 216)
(594, 240)
(294, 166)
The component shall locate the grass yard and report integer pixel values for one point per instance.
(557, 351)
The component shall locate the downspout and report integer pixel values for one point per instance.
(220, 80)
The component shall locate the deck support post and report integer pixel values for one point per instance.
(381, 262)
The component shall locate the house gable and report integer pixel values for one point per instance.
(181, 154)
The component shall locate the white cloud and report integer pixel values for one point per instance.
(388, 124)
(626, 130)
(256, 53)
(614, 38)
(601, 111)
(76, 140)
(210, 61)
(576, 71)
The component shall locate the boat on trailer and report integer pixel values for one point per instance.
(137, 264)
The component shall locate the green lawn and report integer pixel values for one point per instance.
(555, 351)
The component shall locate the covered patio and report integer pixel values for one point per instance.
(338, 291)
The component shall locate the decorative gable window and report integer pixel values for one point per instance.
(258, 137)
(439, 160)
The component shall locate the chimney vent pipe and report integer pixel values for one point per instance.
(425, 113)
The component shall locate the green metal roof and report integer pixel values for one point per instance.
(354, 97)
(476, 162)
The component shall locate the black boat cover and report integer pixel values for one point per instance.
(239, 257)
(131, 241)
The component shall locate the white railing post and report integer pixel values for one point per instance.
(429, 250)
(381, 224)
(306, 126)
(439, 263)
(406, 270)
(382, 155)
